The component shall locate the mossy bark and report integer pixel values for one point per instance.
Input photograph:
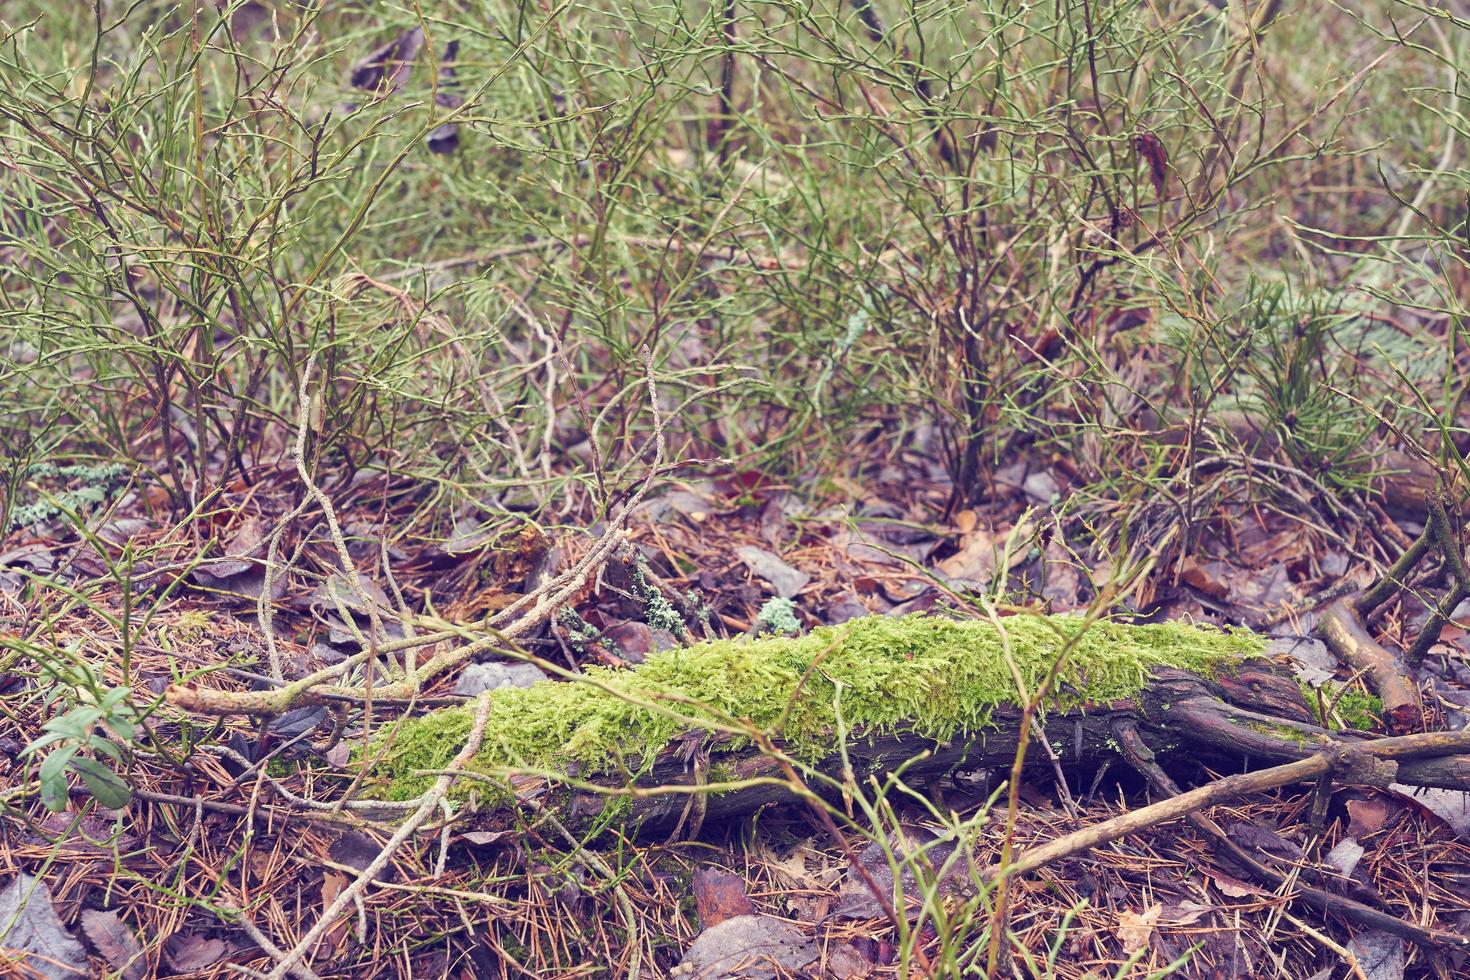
(928, 694)
(923, 694)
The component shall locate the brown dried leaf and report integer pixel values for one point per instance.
(719, 895)
(1208, 577)
(1136, 928)
(1152, 150)
(1367, 816)
(189, 952)
(115, 942)
(1235, 888)
(976, 559)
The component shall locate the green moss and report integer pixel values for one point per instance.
(1283, 733)
(933, 676)
(1358, 710)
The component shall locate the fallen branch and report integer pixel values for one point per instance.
(924, 696)
(1387, 675)
(1183, 803)
(287, 963)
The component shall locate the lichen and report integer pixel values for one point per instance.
(658, 612)
(97, 483)
(778, 615)
(933, 677)
(579, 631)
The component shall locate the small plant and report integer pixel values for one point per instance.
(1298, 369)
(75, 741)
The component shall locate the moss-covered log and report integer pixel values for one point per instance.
(928, 694)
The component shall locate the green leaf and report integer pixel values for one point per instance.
(106, 786)
(55, 763)
(54, 792)
(44, 741)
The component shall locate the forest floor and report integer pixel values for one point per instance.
(357, 360)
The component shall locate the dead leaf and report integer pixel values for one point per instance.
(718, 896)
(1310, 659)
(920, 852)
(975, 561)
(387, 68)
(1380, 955)
(340, 587)
(357, 850)
(1264, 839)
(750, 947)
(32, 929)
(331, 941)
(1152, 150)
(1208, 577)
(1235, 888)
(849, 961)
(787, 581)
(1261, 594)
(1042, 487)
(240, 556)
(1345, 856)
(116, 942)
(189, 952)
(635, 640)
(1063, 578)
(846, 607)
(1367, 816)
(1452, 806)
(1186, 913)
(489, 676)
(1135, 928)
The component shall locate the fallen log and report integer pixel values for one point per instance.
(689, 736)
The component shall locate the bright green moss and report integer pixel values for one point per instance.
(933, 676)
(1360, 711)
(1357, 710)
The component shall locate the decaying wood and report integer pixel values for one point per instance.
(1256, 716)
(1343, 631)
